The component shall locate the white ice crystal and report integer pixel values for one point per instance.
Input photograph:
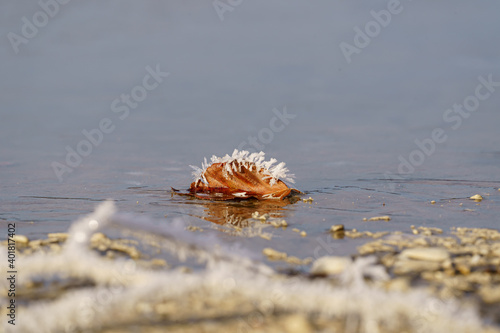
(244, 158)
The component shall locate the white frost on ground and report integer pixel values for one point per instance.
(122, 292)
(247, 159)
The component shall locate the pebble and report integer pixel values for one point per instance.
(279, 223)
(490, 294)
(426, 231)
(402, 267)
(379, 218)
(398, 284)
(262, 217)
(275, 255)
(296, 323)
(266, 236)
(463, 269)
(102, 243)
(272, 254)
(476, 197)
(55, 247)
(158, 262)
(374, 247)
(496, 250)
(433, 202)
(21, 239)
(58, 236)
(426, 254)
(337, 228)
(330, 265)
(36, 243)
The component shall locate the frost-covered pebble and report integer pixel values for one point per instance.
(426, 253)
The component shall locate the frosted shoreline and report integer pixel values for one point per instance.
(73, 282)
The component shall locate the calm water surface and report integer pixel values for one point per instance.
(349, 128)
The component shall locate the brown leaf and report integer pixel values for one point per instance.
(238, 181)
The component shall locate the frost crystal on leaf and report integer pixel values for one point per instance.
(247, 159)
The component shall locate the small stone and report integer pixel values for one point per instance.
(421, 242)
(398, 284)
(297, 261)
(55, 247)
(262, 217)
(428, 231)
(296, 323)
(338, 235)
(476, 197)
(496, 250)
(35, 243)
(374, 247)
(330, 265)
(337, 228)
(272, 254)
(127, 249)
(303, 233)
(266, 236)
(380, 218)
(433, 202)
(463, 269)
(380, 234)
(20, 239)
(275, 255)
(279, 223)
(58, 236)
(447, 264)
(158, 262)
(414, 266)
(490, 294)
(426, 254)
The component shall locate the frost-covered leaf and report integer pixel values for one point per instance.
(241, 176)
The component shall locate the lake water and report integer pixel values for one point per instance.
(351, 121)
(296, 80)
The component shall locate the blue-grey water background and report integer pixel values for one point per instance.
(353, 121)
